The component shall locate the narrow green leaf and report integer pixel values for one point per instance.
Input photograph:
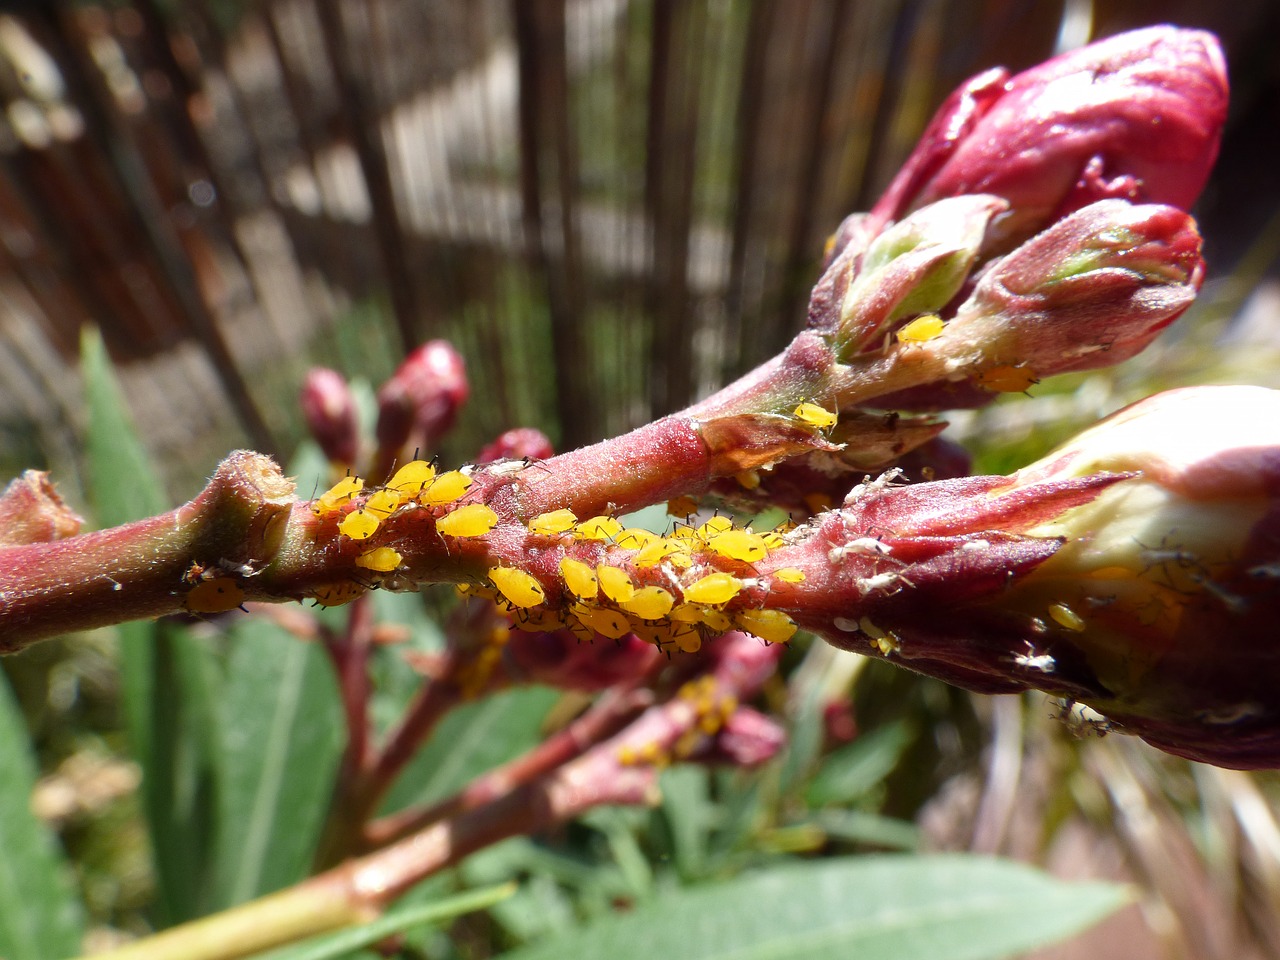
(167, 679)
(471, 740)
(280, 737)
(39, 915)
(344, 942)
(856, 768)
(687, 810)
(871, 908)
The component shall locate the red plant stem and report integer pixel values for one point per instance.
(613, 711)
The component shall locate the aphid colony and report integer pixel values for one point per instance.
(685, 606)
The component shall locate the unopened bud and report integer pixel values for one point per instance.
(522, 443)
(1092, 290)
(330, 412)
(419, 403)
(1136, 116)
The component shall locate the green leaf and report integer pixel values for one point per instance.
(280, 738)
(687, 810)
(168, 681)
(344, 942)
(39, 916)
(871, 908)
(854, 769)
(471, 740)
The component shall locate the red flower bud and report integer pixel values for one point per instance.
(1136, 116)
(747, 739)
(330, 411)
(522, 443)
(418, 405)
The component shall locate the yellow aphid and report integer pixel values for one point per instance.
(598, 528)
(748, 479)
(714, 526)
(710, 617)
(921, 329)
(649, 603)
(681, 560)
(579, 578)
(771, 625)
(789, 575)
(687, 641)
(538, 620)
(713, 588)
(549, 524)
(1007, 379)
(445, 488)
(336, 594)
(412, 478)
(214, 596)
(607, 623)
(633, 538)
(654, 552)
(615, 584)
(682, 506)
(473, 520)
(739, 545)
(522, 589)
(359, 525)
(655, 633)
(383, 503)
(1065, 617)
(331, 500)
(381, 559)
(815, 416)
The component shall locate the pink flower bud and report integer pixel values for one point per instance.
(418, 405)
(522, 443)
(1136, 116)
(1092, 290)
(330, 412)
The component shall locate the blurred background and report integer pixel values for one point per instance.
(611, 207)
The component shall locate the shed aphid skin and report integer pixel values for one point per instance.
(359, 525)
(412, 478)
(579, 579)
(446, 488)
(520, 588)
(473, 520)
(714, 588)
(552, 524)
(815, 416)
(337, 496)
(1040, 662)
(380, 559)
(864, 546)
(922, 329)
